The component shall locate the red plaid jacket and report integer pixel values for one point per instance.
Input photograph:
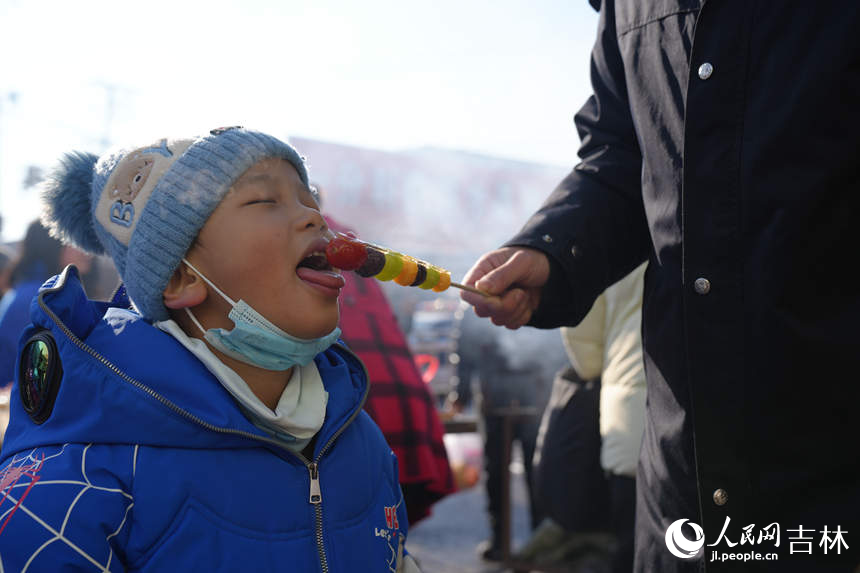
(399, 401)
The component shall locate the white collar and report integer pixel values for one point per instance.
(300, 412)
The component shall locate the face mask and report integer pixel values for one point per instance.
(256, 341)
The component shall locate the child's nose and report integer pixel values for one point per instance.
(312, 218)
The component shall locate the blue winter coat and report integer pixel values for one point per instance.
(146, 463)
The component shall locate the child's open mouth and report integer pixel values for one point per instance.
(316, 261)
(315, 270)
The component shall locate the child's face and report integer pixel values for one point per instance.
(252, 245)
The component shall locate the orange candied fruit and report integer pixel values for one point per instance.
(444, 281)
(409, 272)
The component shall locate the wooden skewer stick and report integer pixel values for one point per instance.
(472, 289)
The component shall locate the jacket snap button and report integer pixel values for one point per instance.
(705, 70)
(547, 239)
(702, 286)
(721, 497)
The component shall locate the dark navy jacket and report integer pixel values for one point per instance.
(146, 463)
(722, 144)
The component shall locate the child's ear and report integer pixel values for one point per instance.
(185, 289)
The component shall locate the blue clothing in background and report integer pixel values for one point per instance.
(14, 318)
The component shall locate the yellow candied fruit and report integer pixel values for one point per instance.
(392, 268)
(407, 275)
(444, 281)
(433, 276)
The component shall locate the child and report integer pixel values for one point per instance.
(215, 423)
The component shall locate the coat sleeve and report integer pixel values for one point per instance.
(65, 507)
(593, 225)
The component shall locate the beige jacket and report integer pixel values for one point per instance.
(608, 343)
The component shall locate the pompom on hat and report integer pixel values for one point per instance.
(145, 206)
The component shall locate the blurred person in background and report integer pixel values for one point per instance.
(608, 343)
(7, 257)
(571, 488)
(605, 347)
(41, 257)
(500, 382)
(399, 401)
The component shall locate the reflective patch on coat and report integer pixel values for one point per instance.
(39, 374)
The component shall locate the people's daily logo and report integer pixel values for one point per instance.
(678, 543)
(756, 542)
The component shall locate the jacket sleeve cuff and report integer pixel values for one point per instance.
(556, 306)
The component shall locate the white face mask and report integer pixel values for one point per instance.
(256, 341)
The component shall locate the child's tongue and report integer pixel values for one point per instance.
(328, 280)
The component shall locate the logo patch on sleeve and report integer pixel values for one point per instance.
(391, 517)
(39, 375)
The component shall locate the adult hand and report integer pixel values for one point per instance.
(515, 277)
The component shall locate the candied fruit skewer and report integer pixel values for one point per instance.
(374, 263)
(409, 272)
(393, 266)
(369, 260)
(404, 270)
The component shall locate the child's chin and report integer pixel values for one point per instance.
(326, 327)
(322, 325)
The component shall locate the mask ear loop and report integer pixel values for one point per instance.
(210, 283)
(194, 320)
(202, 276)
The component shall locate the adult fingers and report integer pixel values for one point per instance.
(514, 269)
(486, 264)
(484, 305)
(521, 319)
(513, 311)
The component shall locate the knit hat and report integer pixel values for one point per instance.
(145, 206)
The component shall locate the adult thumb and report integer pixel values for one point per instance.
(502, 277)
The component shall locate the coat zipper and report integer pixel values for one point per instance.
(315, 497)
(316, 500)
(313, 467)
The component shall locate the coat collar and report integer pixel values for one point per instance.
(125, 381)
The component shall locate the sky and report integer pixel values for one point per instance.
(500, 78)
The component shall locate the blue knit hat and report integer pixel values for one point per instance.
(144, 207)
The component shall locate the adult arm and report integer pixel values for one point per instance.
(591, 230)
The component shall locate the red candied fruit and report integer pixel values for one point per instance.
(344, 254)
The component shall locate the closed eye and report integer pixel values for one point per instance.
(256, 201)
